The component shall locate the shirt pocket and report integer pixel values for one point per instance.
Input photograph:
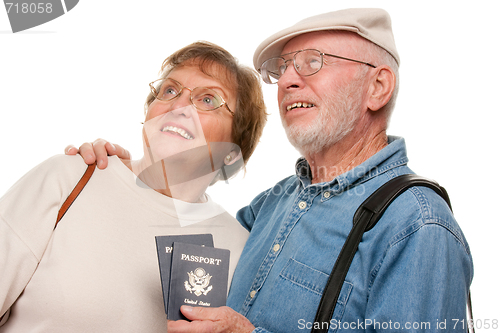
(295, 298)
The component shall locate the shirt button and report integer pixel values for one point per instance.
(276, 247)
(302, 204)
(326, 194)
(252, 293)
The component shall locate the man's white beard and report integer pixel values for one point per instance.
(331, 124)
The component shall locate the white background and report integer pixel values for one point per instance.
(85, 75)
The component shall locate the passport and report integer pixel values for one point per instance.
(164, 245)
(198, 277)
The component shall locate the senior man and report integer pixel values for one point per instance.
(337, 77)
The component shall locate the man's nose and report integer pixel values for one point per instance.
(290, 78)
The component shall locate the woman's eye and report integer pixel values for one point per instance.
(206, 99)
(170, 91)
(209, 101)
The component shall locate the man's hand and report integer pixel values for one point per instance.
(210, 320)
(98, 151)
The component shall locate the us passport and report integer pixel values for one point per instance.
(164, 246)
(198, 277)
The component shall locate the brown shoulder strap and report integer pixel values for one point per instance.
(76, 191)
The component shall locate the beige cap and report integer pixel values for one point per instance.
(373, 24)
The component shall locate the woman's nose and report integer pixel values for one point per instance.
(183, 109)
(182, 104)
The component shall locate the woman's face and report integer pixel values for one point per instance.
(176, 126)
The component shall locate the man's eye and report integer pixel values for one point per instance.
(314, 63)
(281, 70)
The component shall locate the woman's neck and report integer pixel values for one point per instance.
(172, 179)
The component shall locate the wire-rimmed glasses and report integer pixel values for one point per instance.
(202, 98)
(306, 62)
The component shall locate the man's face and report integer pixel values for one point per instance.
(320, 110)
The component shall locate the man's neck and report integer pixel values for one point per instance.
(344, 156)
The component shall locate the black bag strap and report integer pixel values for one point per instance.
(365, 218)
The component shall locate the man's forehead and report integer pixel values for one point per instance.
(325, 41)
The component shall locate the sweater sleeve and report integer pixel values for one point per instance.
(28, 212)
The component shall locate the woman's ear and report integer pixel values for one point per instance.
(232, 157)
(381, 88)
(233, 162)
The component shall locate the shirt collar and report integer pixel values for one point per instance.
(391, 156)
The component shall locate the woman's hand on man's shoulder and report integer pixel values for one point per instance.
(99, 150)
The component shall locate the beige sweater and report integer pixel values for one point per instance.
(98, 271)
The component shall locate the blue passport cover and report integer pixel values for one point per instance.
(164, 245)
(198, 277)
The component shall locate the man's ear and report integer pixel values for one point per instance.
(381, 88)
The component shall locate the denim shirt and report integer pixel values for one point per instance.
(411, 272)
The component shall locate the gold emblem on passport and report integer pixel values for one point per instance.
(198, 282)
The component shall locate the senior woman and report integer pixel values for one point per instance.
(97, 271)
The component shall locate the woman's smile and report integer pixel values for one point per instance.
(177, 131)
